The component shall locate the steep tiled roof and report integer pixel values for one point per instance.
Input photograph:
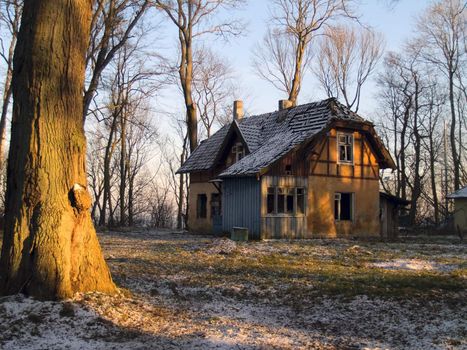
(205, 154)
(270, 136)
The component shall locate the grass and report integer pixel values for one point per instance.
(292, 272)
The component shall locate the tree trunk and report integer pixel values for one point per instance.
(417, 182)
(123, 168)
(297, 79)
(50, 247)
(186, 80)
(7, 92)
(109, 149)
(455, 157)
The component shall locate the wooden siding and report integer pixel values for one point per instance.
(282, 225)
(241, 201)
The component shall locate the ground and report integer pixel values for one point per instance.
(199, 292)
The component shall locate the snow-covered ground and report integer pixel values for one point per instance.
(197, 292)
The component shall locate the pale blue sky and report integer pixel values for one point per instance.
(396, 22)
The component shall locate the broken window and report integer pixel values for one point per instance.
(216, 209)
(201, 206)
(343, 206)
(271, 199)
(300, 200)
(280, 200)
(345, 148)
(289, 201)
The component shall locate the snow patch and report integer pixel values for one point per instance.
(412, 265)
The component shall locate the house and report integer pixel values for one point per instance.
(460, 209)
(300, 172)
(390, 207)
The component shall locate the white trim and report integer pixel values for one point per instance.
(351, 162)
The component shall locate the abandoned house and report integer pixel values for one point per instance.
(300, 172)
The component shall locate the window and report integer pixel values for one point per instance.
(239, 151)
(343, 206)
(288, 169)
(345, 148)
(201, 206)
(289, 201)
(280, 200)
(300, 200)
(271, 196)
(216, 209)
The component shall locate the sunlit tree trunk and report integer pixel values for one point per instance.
(50, 247)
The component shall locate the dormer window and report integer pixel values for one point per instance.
(239, 151)
(345, 148)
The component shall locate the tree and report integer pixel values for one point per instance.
(50, 247)
(346, 59)
(194, 19)
(285, 52)
(213, 87)
(112, 24)
(10, 15)
(443, 30)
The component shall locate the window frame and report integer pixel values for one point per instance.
(199, 207)
(285, 193)
(339, 208)
(352, 147)
(239, 150)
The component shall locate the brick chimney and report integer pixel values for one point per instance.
(284, 104)
(238, 110)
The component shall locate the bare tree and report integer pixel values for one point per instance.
(213, 87)
(285, 52)
(113, 22)
(347, 57)
(443, 30)
(10, 16)
(194, 19)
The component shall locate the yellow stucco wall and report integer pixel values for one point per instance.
(460, 214)
(320, 211)
(195, 224)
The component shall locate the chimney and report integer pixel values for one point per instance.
(284, 104)
(238, 110)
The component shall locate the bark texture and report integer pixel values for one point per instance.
(50, 247)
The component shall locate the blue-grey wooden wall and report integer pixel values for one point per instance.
(241, 204)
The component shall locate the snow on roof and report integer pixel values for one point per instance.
(270, 136)
(462, 193)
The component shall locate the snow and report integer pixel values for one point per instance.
(180, 291)
(412, 265)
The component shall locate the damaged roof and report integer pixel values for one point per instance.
(272, 135)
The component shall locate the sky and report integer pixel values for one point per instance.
(395, 21)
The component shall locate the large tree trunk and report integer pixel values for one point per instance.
(50, 247)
